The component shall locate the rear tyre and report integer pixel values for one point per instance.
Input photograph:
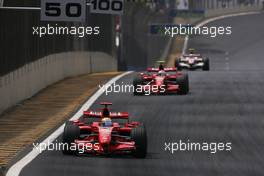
(183, 82)
(206, 66)
(137, 82)
(139, 135)
(177, 64)
(71, 132)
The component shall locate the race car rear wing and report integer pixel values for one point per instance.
(192, 55)
(113, 115)
(165, 69)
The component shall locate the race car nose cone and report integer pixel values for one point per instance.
(191, 61)
(104, 140)
(104, 136)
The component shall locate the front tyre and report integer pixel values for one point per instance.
(139, 135)
(177, 64)
(183, 82)
(206, 66)
(70, 133)
(137, 82)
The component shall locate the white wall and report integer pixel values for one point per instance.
(26, 81)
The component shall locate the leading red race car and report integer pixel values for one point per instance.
(161, 81)
(100, 133)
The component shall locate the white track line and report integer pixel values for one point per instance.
(185, 45)
(18, 166)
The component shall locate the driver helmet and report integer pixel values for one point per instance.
(106, 122)
(192, 51)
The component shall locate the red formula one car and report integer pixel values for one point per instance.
(103, 133)
(161, 81)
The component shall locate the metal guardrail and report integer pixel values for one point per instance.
(215, 4)
(20, 8)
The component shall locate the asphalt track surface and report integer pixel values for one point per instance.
(224, 105)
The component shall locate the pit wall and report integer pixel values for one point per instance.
(26, 81)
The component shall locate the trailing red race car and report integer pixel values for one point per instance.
(100, 133)
(161, 81)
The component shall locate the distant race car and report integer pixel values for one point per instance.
(192, 61)
(161, 81)
(103, 133)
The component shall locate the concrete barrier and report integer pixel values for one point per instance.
(26, 81)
